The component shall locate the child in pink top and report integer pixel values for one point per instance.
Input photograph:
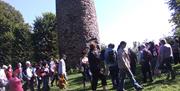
(8, 72)
(15, 83)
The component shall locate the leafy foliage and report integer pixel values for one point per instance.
(15, 37)
(45, 37)
(174, 5)
(19, 44)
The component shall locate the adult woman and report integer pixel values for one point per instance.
(94, 63)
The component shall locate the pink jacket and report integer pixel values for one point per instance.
(9, 73)
(15, 84)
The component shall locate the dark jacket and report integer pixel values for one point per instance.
(94, 60)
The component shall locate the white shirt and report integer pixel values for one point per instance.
(165, 51)
(3, 79)
(61, 67)
(2, 74)
(29, 72)
(85, 60)
(52, 66)
(46, 69)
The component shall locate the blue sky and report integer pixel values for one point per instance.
(129, 20)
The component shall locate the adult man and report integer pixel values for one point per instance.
(166, 56)
(145, 62)
(28, 75)
(111, 62)
(124, 67)
(52, 70)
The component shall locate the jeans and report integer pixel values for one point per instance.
(86, 76)
(39, 83)
(146, 68)
(153, 64)
(55, 78)
(114, 75)
(96, 74)
(46, 83)
(133, 68)
(122, 76)
(176, 58)
(167, 63)
(29, 84)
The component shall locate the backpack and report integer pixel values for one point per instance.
(147, 56)
(111, 56)
(102, 55)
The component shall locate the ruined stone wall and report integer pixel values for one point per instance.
(77, 26)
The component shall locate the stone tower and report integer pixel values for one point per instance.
(77, 27)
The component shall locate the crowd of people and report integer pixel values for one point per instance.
(154, 59)
(95, 64)
(23, 78)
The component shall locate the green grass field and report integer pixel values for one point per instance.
(159, 84)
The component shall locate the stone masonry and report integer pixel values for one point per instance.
(77, 27)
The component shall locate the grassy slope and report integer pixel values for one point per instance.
(159, 84)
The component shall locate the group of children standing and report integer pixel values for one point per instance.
(29, 76)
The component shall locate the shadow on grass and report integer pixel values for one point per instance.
(76, 83)
(177, 69)
(157, 80)
(76, 80)
(138, 77)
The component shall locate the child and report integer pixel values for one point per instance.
(45, 77)
(62, 82)
(62, 69)
(15, 83)
(62, 66)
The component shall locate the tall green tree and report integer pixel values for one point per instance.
(45, 37)
(22, 45)
(174, 5)
(12, 28)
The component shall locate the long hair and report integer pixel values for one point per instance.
(121, 43)
(92, 46)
